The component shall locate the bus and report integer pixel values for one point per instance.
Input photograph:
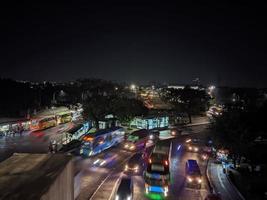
(157, 173)
(193, 174)
(44, 122)
(64, 117)
(94, 143)
(137, 140)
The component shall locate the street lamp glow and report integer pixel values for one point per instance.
(133, 87)
(211, 88)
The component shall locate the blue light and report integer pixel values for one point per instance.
(178, 148)
(156, 189)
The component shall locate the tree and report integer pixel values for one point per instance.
(236, 129)
(125, 109)
(187, 100)
(102, 98)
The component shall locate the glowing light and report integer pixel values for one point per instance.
(179, 147)
(188, 140)
(133, 87)
(102, 163)
(189, 179)
(96, 161)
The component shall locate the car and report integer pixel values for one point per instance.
(193, 144)
(125, 189)
(176, 132)
(193, 174)
(135, 164)
(154, 135)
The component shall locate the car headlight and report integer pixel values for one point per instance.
(117, 197)
(126, 145)
(199, 180)
(151, 137)
(132, 147)
(189, 179)
(190, 148)
(126, 167)
(196, 149)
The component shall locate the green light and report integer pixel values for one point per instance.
(154, 196)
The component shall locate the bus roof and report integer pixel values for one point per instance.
(104, 131)
(75, 129)
(162, 146)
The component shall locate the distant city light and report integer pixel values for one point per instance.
(133, 87)
(212, 87)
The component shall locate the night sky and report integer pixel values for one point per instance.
(135, 42)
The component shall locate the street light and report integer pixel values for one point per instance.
(133, 87)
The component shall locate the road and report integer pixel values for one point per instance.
(97, 177)
(30, 142)
(101, 182)
(222, 184)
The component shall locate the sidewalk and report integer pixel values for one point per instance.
(221, 183)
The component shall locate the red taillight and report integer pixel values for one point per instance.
(149, 160)
(166, 163)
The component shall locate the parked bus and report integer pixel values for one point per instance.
(137, 140)
(41, 123)
(95, 143)
(157, 174)
(193, 174)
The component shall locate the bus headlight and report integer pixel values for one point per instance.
(195, 149)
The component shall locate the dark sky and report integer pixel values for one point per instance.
(135, 42)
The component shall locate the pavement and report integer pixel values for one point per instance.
(221, 182)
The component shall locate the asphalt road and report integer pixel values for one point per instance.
(101, 182)
(97, 177)
(30, 142)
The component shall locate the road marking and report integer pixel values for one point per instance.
(219, 177)
(95, 192)
(113, 189)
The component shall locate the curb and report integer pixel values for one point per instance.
(211, 186)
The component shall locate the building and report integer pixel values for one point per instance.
(37, 176)
(150, 122)
(13, 124)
